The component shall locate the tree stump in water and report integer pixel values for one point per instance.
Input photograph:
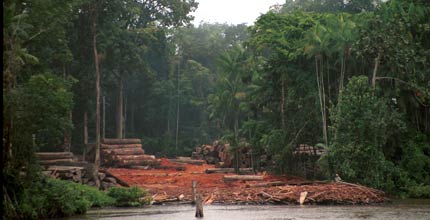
(199, 206)
(193, 191)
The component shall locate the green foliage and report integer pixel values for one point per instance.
(50, 198)
(416, 159)
(420, 192)
(133, 196)
(362, 124)
(42, 107)
(242, 84)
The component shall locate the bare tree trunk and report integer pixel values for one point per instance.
(119, 124)
(342, 73)
(177, 110)
(283, 123)
(124, 121)
(97, 67)
(67, 133)
(236, 138)
(320, 95)
(375, 69)
(104, 118)
(328, 82)
(132, 107)
(324, 102)
(67, 137)
(85, 134)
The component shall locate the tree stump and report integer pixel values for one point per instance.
(193, 191)
(199, 206)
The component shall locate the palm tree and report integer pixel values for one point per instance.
(317, 41)
(230, 92)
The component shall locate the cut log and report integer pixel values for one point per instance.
(177, 168)
(110, 180)
(116, 146)
(106, 185)
(267, 184)
(70, 163)
(121, 141)
(187, 160)
(118, 180)
(101, 176)
(67, 173)
(54, 155)
(132, 157)
(140, 167)
(229, 170)
(302, 197)
(64, 168)
(243, 177)
(128, 163)
(46, 173)
(124, 151)
(55, 162)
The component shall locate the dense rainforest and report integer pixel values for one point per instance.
(352, 77)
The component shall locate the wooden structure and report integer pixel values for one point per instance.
(305, 159)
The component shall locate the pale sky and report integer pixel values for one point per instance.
(232, 11)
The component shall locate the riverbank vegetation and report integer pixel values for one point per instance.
(51, 198)
(352, 77)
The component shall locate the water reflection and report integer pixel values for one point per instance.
(406, 209)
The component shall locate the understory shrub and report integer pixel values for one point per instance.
(50, 198)
(132, 196)
(422, 192)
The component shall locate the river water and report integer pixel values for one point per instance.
(398, 210)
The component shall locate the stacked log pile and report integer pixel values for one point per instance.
(65, 173)
(125, 153)
(304, 149)
(222, 156)
(65, 166)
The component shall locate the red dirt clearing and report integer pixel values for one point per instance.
(171, 185)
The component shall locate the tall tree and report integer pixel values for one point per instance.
(94, 8)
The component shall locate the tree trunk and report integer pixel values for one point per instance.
(375, 69)
(97, 68)
(124, 120)
(85, 134)
(119, 110)
(132, 107)
(283, 123)
(67, 133)
(67, 137)
(320, 94)
(342, 73)
(324, 103)
(177, 110)
(104, 118)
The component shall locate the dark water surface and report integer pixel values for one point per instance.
(398, 210)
